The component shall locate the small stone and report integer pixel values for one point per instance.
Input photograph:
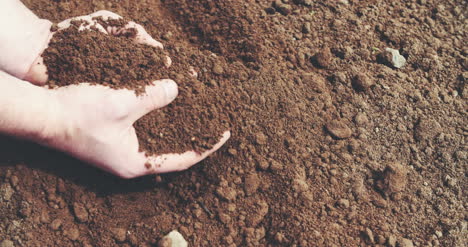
(279, 237)
(173, 239)
(7, 243)
(392, 58)
(251, 183)
(404, 242)
(80, 211)
(339, 129)
(361, 82)
(119, 234)
(323, 58)
(56, 224)
(6, 192)
(218, 69)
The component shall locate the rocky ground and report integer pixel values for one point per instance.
(335, 141)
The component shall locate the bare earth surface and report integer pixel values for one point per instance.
(331, 145)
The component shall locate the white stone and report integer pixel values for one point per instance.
(398, 60)
(174, 239)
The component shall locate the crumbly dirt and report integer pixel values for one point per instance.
(195, 121)
(329, 147)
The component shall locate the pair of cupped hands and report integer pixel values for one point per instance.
(95, 123)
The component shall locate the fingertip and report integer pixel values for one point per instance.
(170, 88)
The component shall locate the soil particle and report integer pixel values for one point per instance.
(361, 82)
(282, 8)
(391, 242)
(339, 129)
(81, 213)
(404, 242)
(323, 59)
(119, 234)
(251, 183)
(25, 209)
(192, 122)
(56, 224)
(6, 192)
(260, 210)
(72, 233)
(394, 179)
(226, 193)
(7, 243)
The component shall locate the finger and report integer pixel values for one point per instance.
(179, 162)
(158, 95)
(141, 36)
(37, 74)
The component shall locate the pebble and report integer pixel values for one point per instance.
(261, 210)
(339, 129)
(391, 241)
(7, 243)
(173, 239)
(393, 57)
(80, 211)
(361, 82)
(404, 242)
(6, 192)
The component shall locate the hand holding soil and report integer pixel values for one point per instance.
(94, 121)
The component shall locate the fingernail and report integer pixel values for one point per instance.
(170, 87)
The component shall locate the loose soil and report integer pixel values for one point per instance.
(330, 146)
(195, 121)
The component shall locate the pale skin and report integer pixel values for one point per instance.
(92, 123)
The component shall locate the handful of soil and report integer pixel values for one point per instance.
(194, 121)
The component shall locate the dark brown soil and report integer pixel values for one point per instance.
(195, 121)
(329, 147)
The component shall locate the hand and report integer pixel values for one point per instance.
(95, 125)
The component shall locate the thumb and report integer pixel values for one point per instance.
(158, 95)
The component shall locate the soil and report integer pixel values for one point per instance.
(330, 146)
(195, 121)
